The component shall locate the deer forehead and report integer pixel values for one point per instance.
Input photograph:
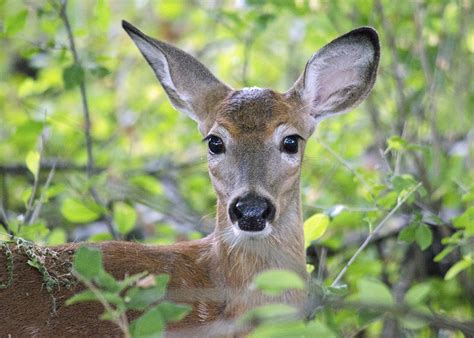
(255, 111)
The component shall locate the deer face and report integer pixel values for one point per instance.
(256, 144)
(256, 137)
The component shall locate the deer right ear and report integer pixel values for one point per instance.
(340, 75)
(190, 86)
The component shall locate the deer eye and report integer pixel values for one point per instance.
(290, 144)
(215, 144)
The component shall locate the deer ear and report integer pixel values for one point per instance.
(191, 87)
(340, 75)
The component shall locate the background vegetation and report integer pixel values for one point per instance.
(91, 148)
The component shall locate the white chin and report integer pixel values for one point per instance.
(252, 234)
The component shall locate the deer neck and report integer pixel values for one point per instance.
(238, 261)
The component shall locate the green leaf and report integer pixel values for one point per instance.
(314, 227)
(33, 162)
(140, 298)
(89, 296)
(101, 237)
(125, 217)
(338, 290)
(88, 262)
(388, 200)
(446, 251)
(57, 236)
(274, 282)
(131, 280)
(162, 280)
(83, 296)
(269, 312)
(413, 323)
(395, 142)
(465, 221)
(423, 236)
(107, 282)
(77, 212)
(150, 324)
(148, 183)
(173, 312)
(468, 197)
(407, 234)
(73, 75)
(284, 329)
(15, 23)
(417, 294)
(100, 71)
(463, 264)
(34, 231)
(403, 182)
(374, 292)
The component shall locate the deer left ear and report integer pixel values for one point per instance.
(340, 75)
(190, 86)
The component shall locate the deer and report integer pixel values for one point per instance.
(256, 139)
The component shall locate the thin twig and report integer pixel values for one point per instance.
(373, 233)
(322, 264)
(31, 200)
(87, 120)
(40, 201)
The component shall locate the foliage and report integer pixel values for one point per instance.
(148, 180)
(143, 292)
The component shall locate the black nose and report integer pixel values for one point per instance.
(251, 212)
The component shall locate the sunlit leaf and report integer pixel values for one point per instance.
(78, 212)
(274, 282)
(463, 264)
(314, 227)
(270, 312)
(417, 294)
(423, 236)
(33, 162)
(16, 23)
(125, 217)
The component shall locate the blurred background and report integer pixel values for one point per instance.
(137, 169)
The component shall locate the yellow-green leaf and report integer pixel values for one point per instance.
(373, 291)
(125, 217)
(274, 282)
(315, 227)
(463, 264)
(33, 162)
(78, 212)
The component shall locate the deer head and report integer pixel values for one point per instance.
(256, 137)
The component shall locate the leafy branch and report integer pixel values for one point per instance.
(373, 233)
